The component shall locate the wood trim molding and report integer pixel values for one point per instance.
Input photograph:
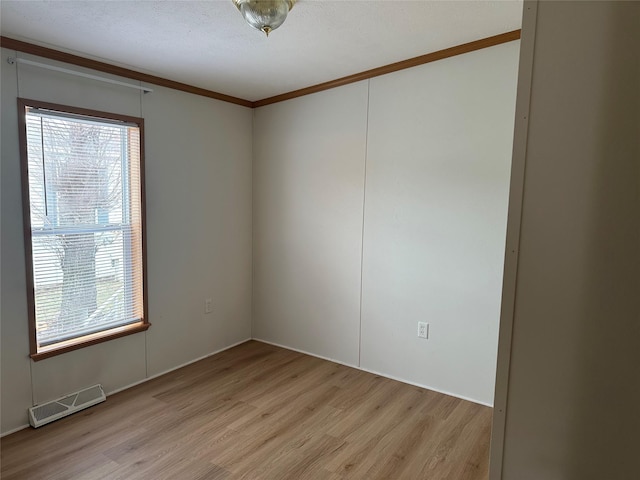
(26, 224)
(52, 54)
(394, 67)
(36, 352)
(92, 339)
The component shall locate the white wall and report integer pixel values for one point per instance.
(199, 225)
(308, 172)
(438, 163)
(15, 393)
(198, 179)
(437, 151)
(574, 380)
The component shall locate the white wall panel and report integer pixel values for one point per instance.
(16, 381)
(308, 196)
(114, 364)
(437, 175)
(198, 164)
(36, 83)
(438, 163)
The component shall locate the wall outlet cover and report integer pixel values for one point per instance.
(423, 330)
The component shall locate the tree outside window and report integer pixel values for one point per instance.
(84, 184)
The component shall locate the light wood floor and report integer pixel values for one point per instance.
(260, 412)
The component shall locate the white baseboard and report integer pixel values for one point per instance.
(444, 392)
(306, 353)
(112, 392)
(14, 430)
(385, 375)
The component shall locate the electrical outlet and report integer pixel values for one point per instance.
(423, 330)
(208, 305)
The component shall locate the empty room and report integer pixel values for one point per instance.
(279, 239)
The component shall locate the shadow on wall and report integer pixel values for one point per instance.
(605, 419)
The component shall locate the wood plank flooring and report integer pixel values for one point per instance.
(260, 412)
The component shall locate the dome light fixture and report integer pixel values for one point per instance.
(264, 15)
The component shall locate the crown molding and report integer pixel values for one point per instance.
(394, 67)
(79, 61)
(60, 56)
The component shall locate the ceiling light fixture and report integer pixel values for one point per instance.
(264, 15)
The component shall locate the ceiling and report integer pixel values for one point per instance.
(208, 44)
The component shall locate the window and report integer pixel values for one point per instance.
(83, 200)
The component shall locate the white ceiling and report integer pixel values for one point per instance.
(207, 43)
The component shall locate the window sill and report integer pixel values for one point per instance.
(87, 340)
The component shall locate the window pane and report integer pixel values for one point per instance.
(92, 295)
(76, 172)
(85, 211)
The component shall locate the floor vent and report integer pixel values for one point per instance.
(50, 411)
